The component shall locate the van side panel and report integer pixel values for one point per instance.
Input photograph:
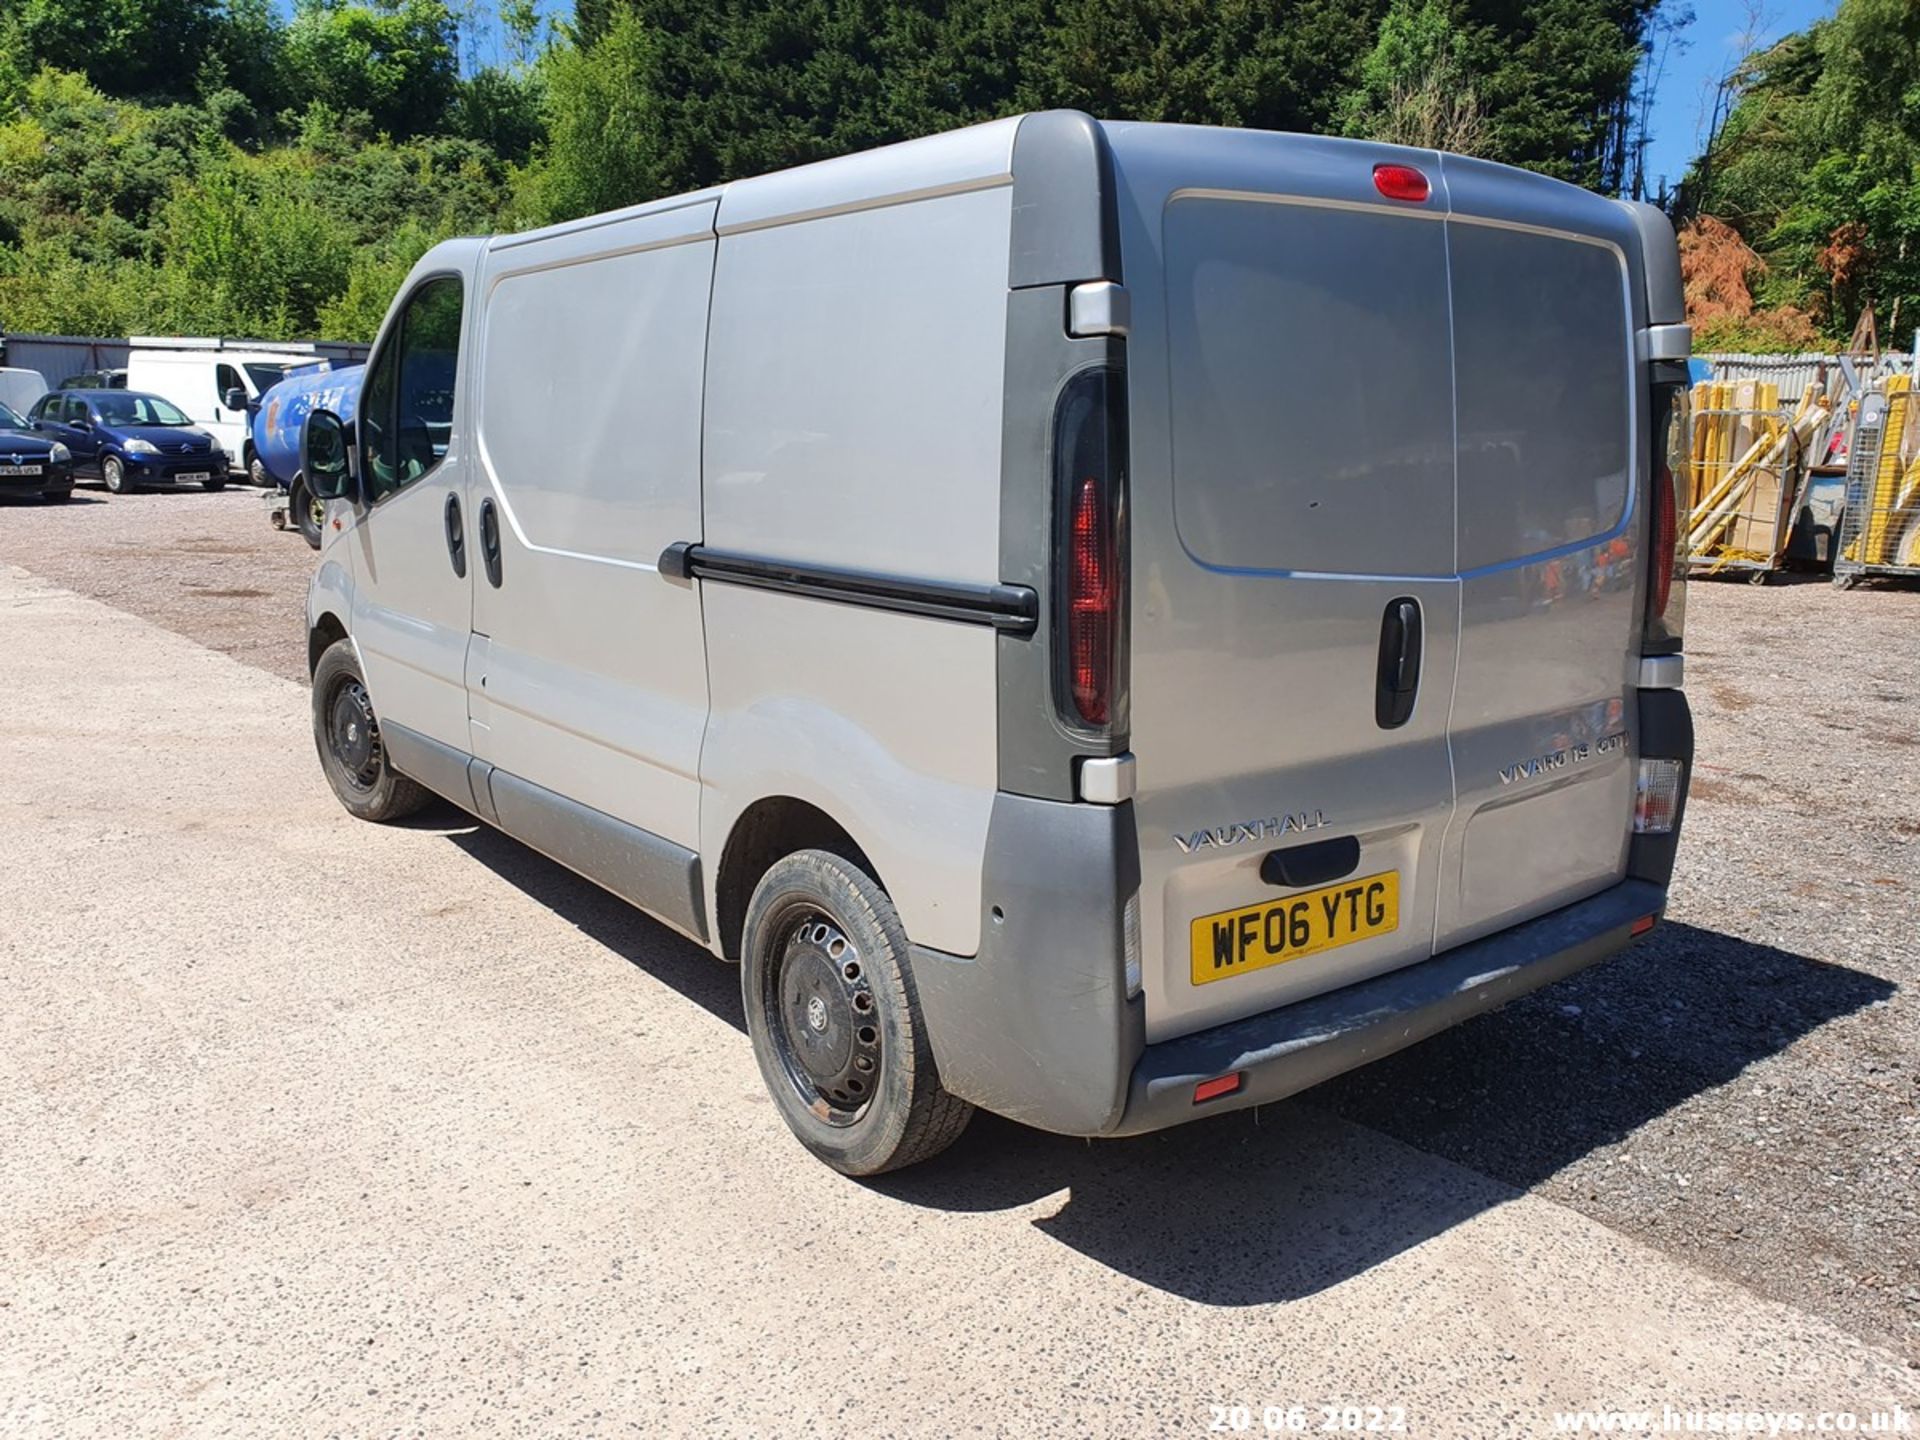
(853, 419)
(588, 380)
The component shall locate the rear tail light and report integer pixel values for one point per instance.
(1656, 797)
(1667, 540)
(1090, 497)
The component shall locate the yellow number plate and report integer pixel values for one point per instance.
(1236, 941)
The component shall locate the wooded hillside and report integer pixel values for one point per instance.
(217, 166)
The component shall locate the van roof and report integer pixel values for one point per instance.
(983, 156)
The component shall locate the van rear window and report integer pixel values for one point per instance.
(1312, 401)
(1542, 354)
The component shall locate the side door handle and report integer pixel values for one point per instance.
(456, 536)
(490, 541)
(1399, 673)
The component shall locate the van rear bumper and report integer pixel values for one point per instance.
(1284, 1051)
(1038, 1025)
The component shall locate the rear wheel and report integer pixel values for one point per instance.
(835, 1020)
(347, 734)
(114, 475)
(306, 511)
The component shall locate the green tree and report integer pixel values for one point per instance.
(395, 62)
(125, 47)
(1818, 167)
(1414, 88)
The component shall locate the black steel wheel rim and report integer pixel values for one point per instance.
(353, 737)
(820, 1010)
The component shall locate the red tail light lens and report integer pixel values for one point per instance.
(1089, 509)
(1090, 603)
(1401, 182)
(1670, 497)
(1665, 529)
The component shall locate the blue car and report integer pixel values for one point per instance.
(30, 463)
(130, 440)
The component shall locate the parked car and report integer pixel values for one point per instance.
(924, 578)
(20, 387)
(130, 440)
(276, 425)
(32, 463)
(96, 380)
(214, 385)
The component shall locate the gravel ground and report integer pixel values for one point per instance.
(205, 566)
(1741, 1090)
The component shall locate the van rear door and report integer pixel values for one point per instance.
(1549, 547)
(1295, 611)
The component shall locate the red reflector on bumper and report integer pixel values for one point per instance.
(1644, 924)
(1215, 1088)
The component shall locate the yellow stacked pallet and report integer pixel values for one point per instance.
(1748, 458)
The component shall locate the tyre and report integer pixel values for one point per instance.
(114, 475)
(307, 513)
(347, 735)
(213, 486)
(835, 1021)
(257, 473)
(56, 497)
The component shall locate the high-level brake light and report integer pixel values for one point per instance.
(1401, 182)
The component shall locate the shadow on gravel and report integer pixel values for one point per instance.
(1262, 1206)
(1271, 1205)
(652, 947)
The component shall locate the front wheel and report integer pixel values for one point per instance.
(347, 734)
(835, 1020)
(307, 512)
(257, 473)
(213, 486)
(114, 474)
(56, 497)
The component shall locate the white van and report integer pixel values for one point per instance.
(214, 383)
(20, 387)
(1110, 623)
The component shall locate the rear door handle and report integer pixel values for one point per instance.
(490, 541)
(456, 536)
(1399, 674)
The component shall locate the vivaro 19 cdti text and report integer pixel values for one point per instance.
(1109, 623)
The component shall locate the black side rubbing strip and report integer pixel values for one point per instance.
(1013, 609)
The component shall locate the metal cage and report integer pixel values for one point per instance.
(1880, 534)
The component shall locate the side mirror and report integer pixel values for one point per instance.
(235, 398)
(326, 457)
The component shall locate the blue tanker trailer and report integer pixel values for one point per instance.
(277, 420)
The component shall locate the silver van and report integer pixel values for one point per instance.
(1110, 623)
